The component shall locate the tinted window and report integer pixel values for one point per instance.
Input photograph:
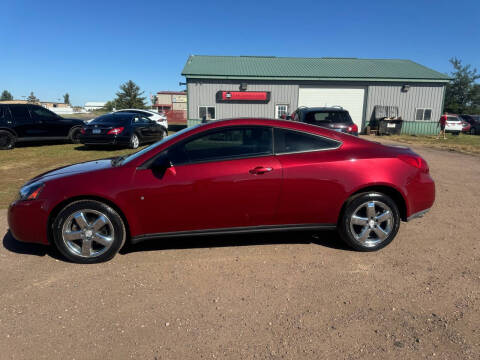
(452, 118)
(224, 144)
(137, 112)
(322, 117)
(38, 112)
(4, 114)
(287, 141)
(20, 114)
(112, 118)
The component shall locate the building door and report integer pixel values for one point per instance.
(350, 98)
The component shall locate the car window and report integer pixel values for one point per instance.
(41, 113)
(322, 117)
(232, 143)
(112, 118)
(290, 141)
(20, 114)
(452, 118)
(4, 114)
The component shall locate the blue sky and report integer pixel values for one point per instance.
(88, 48)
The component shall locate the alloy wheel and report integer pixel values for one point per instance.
(371, 223)
(88, 233)
(135, 141)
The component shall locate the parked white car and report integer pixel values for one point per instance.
(152, 115)
(453, 125)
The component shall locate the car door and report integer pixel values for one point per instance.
(312, 191)
(24, 126)
(220, 179)
(142, 127)
(50, 124)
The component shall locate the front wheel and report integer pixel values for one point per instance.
(369, 222)
(88, 231)
(7, 140)
(134, 141)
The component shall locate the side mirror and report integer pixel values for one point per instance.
(161, 164)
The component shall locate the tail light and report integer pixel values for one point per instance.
(415, 161)
(115, 131)
(352, 128)
(82, 131)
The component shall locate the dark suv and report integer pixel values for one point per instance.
(335, 118)
(28, 122)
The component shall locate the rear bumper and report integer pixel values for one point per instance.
(420, 196)
(28, 220)
(105, 140)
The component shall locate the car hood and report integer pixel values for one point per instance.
(86, 167)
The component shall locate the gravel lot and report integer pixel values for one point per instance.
(292, 296)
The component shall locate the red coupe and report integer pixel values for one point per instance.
(225, 177)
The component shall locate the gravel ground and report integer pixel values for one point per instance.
(292, 296)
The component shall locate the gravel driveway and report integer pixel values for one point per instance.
(289, 296)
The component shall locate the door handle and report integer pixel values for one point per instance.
(259, 170)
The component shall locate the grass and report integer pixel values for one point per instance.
(468, 144)
(24, 162)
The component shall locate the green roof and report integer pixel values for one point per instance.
(287, 68)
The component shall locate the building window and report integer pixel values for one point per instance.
(281, 111)
(423, 114)
(206, 112)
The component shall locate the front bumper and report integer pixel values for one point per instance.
(28, 221)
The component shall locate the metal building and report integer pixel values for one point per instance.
(236, 86)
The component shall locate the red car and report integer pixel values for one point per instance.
(224, 177)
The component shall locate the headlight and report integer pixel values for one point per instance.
(31, 191)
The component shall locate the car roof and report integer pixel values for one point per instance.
(326, 108)
(127, 110)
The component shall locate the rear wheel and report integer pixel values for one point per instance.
(88, 231)
(134, 141)
(7, 140)
(75, 135)
(369, 222)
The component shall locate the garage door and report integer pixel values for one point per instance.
(350, 99)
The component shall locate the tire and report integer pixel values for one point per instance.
(164, 134)
(80, 240)
(134, 141)
(369, 222)
(7, 140)
(75, 135)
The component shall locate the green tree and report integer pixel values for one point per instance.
(32, 98)
(109, 105)
(66, 98)
(129, 97)
(6, 95)
(462, 95)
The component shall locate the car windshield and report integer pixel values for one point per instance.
(335, 117)
(112, 118)
(134, 156)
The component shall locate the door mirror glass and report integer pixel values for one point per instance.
(161, 164)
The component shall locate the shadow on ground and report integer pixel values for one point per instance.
(325, 238)
(15, 246)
